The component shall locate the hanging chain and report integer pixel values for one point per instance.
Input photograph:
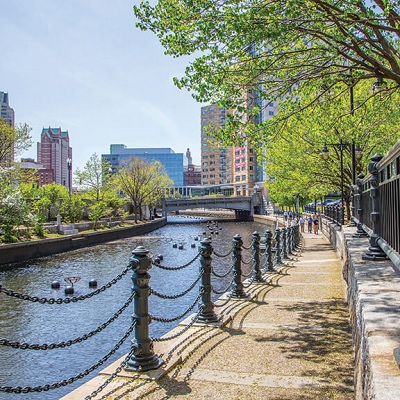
(44, 300)
(27, 346)
(166, 320)
(190, 324)
(222, 255)
(224, 274)
(112, 376)
(175, 268)
(176, 296)
(65, 382)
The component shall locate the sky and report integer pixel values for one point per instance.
(82, 65)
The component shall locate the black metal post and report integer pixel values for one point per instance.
(255, 244)
(69, 168)
(268, 250)
(375, 252)
(359, 189)
(206, 305)
(143, 358)
(291, 239)
(277, 259)
(284, 242)
(237, 285)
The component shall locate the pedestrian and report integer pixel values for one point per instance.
(310, 224)
(315, 224)
(285, 216)
(302, 222)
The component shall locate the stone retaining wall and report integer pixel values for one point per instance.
(17, 252)
(373, 294)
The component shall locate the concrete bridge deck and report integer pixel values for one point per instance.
(291, 341)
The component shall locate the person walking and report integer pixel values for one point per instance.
(310, 224)
(302, 222)
(315, 224)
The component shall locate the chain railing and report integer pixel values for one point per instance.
(142, 356)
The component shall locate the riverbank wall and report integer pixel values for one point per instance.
(18, 252)
(373, 295)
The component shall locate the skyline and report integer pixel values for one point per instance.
(84, 67)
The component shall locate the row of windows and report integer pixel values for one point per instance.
(239, 178)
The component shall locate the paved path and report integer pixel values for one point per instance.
(292, 341)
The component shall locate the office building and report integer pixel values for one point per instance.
(7, 114)
(238, 169)
(171, 161)
(54, 153)
(216, 165)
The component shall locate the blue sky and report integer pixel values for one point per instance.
(83, 66)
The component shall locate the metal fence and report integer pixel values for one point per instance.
(377, 200)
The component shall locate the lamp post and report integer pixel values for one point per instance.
(356, 154)
(69, 168)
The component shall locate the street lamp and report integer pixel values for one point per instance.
(356, 154)
(69, 167)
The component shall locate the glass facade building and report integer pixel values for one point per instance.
(172, 162)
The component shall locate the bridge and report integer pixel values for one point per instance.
(244, 207)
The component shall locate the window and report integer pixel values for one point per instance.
(237, 178)
(243, 177)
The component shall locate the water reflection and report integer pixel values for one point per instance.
(24, 321)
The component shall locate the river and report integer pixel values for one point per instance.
(35, 323)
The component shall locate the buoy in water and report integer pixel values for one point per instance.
(193, 245)
(93, 283)
(69, 290)
(55, 285)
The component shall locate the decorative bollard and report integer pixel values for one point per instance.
(237, 285)
(284, 243)
(297, 236)
(290, 239)
(278, 258)
(375, 252)
(255, 245)
(268, 250)
(143, 358)
(206, 305)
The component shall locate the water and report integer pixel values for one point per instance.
(28, 322)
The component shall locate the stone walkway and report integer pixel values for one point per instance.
(291, 341)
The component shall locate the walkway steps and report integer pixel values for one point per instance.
(292, 341)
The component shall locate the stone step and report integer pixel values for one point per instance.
(69, 231)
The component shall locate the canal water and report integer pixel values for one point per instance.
(35, 323)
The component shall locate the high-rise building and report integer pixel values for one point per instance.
(239, 168)
(172, 162)
(54, 153)
(216, 166)
(8, 115)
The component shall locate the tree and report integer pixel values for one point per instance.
(273, 47)
(294, 152)
(143, 182)
(13, 140)
(93, 177)
(49, 201)
(14, 210)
